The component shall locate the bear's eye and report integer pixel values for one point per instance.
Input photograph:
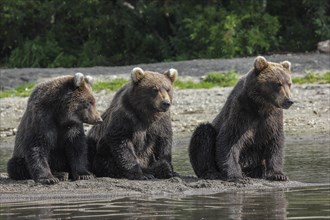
(278, 84)
(87, 104)
(155, 89)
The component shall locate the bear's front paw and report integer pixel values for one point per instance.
(234, 177)
(85, 177)
(140, 176)
(175, 174)
(148, 177)
(212, 176)
(48, 181)
(164, 175)
(62, 176)
(163, 170)
(277, 177)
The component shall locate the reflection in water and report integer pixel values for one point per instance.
(226, 205)
(303, 163)
(294, 203)
(308, 163)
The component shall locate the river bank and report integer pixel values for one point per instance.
(307, 121)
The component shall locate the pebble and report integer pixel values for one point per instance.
(193, 106)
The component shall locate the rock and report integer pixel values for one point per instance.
(324, 46)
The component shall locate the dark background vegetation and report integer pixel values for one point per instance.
(71, 33)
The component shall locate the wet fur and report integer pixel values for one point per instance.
(135, 139)
(49, 138)
(246, 138)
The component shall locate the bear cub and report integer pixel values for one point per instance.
(50, 137)
(246, 138)
(135, 139)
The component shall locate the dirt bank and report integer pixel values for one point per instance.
(109, 188)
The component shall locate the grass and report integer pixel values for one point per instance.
(213, 79)
(23, 90)
(312, 77)
(109, 86)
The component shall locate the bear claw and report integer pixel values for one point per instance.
(278, 177)
(48, 181)
(85, 177)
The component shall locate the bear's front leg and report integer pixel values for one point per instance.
(116, 158)
(162, 167)
(274, 163)
(37, 161)
(227, 159)
(232, 167)
(76, 153)
(127, 161)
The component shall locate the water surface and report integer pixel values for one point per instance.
(304, 162)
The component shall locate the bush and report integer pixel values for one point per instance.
(83, 33)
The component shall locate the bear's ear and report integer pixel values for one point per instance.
(78, 79)
(89, 80)
(286, 64)
(260, 63)
(172, 74)
(137, 74)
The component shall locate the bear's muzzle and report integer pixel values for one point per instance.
(287, 103)
(165, 105)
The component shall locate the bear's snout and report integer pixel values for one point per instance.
(287, 103)
(165, 105)
(98, 120)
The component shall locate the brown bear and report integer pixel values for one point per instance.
(50, 137)
(135, 139)
(246, 138)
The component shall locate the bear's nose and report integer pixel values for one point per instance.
(287, 103)
(165, 105)
(98, 120)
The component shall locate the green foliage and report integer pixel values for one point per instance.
(303, 23)
(222, 79)
(179, 84)
(212, 79)
(312, 77)
(217, 32)
(109, 86)
(23, 90)
(79, 33)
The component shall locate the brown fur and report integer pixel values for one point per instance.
(246, 137)
(50, 137)
(135, 139)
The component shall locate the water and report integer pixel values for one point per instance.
(304, 162)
